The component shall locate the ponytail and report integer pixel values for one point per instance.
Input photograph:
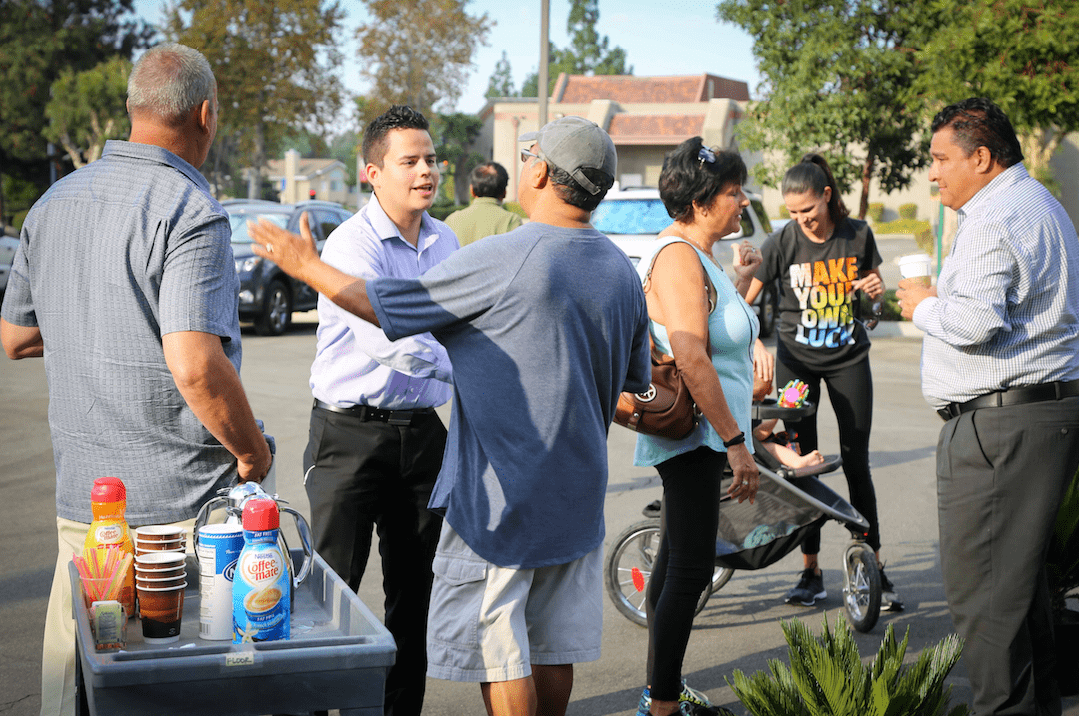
(813, 174)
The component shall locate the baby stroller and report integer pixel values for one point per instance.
(754, 536)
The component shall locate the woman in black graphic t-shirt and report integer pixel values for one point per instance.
(821, 258)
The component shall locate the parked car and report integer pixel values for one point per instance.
(268, 296)
(8, 244)
(632, 218)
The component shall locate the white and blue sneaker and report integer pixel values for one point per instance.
(689, 695)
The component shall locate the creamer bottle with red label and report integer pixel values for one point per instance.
(108, 501)
(261, 583)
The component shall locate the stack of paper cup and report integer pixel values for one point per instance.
(160, 579)
(160, 538)
(218, 548)
(917, 266)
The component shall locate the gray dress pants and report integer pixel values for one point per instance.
(1001, 473)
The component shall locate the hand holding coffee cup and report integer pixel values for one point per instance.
(916, 284)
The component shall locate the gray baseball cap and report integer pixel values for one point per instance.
(575, 143)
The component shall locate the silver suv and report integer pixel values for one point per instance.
(632, 218)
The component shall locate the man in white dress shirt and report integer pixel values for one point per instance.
(375, 446)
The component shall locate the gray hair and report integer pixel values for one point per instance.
(170, 80)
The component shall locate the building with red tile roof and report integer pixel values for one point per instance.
(645, 116)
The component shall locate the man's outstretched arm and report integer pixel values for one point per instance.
(298, 257)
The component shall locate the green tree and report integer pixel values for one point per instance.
(587, 54)
(39, 39)
(1019, 53)
(453, 136)
(275, 62)
(344, 148)
(501, 82)
(87, 108)
(837, 78)
(417, 52)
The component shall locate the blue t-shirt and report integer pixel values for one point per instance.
(544, 326)
(732, 331)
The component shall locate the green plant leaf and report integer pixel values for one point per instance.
(826, 677)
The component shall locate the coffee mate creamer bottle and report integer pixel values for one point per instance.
(108, 502)
(260, 586)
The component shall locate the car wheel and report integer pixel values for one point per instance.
(769, 309)
(276, 311)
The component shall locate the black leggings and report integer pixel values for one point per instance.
(684, 563)
(850, 391)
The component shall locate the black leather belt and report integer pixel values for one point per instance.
(366, 412)
(1014, 396)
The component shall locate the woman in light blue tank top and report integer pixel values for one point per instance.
(698, 316)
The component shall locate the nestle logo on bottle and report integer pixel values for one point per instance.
(259, 569)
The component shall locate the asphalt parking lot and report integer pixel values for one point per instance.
(738, 629)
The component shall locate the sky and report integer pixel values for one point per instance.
(661, 37)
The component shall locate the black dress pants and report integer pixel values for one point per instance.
(363, 475)
(1001, 474)
(850, 391)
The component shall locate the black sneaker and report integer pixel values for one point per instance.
(809, 589)
(889, 600)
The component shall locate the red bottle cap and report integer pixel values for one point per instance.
(261, 514)
(108, 489)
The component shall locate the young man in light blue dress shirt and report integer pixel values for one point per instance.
(1000, 363)
(375, 444)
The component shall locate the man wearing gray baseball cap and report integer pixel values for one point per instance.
(545, 326)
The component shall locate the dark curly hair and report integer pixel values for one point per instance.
(687, 180)
(396, 117)
(978, 122)
(813, 174)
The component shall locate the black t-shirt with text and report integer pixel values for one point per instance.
(816, 313)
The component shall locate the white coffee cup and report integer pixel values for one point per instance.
(917, 266)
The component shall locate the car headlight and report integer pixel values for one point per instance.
(248, 264)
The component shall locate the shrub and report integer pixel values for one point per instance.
(784, 213)
(826, 676)
(441, 211)
(876, 212)
(926, 240)
(908, 211)
(902, 226)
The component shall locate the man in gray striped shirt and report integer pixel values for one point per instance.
(124, 282)
(1000, 363)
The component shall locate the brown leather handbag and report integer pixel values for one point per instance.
(666, 409)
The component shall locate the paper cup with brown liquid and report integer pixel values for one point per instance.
(161, 611)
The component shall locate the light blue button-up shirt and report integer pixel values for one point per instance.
(355, 363)
(1007, 312)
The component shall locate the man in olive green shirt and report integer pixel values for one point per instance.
(485, 216)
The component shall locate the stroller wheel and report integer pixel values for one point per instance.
(861, 587)
(629, 569)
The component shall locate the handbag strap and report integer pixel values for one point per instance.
(707, 280)
(659, 356)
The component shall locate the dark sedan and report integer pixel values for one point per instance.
(267, 295)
